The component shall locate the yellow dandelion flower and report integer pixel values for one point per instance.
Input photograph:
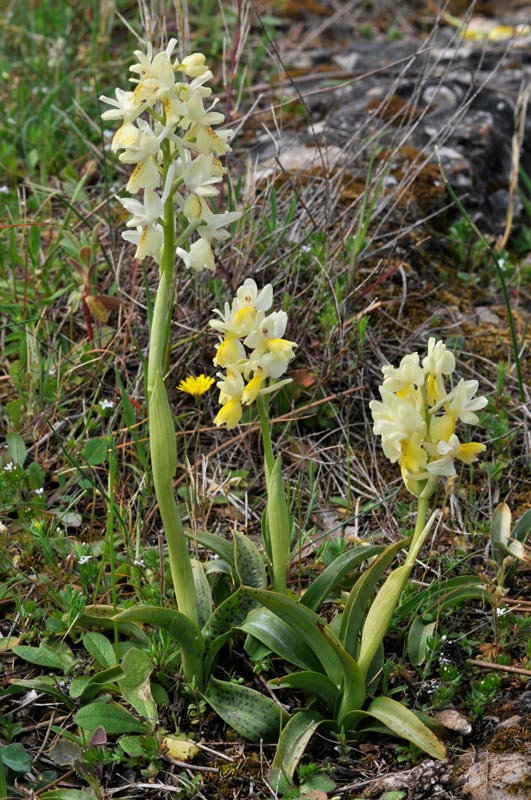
(196, 386)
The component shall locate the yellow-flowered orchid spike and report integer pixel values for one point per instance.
(417, 417)
(244, 327)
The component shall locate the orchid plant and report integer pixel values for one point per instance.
(172, 141)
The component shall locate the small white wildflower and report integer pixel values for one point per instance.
(106, 404)
(84, 559)
(9, 467)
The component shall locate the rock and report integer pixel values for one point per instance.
(494, 776)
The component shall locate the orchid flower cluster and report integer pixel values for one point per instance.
(169, 137)
(418, 414)
(245, 326)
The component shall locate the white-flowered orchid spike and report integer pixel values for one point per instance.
(245, 327)
(167, 135)
(417, 416)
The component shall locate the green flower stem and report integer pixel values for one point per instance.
(422, 511)
(162, 440)
(262, 403)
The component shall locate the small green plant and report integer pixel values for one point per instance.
(508, 545)
(483, 692)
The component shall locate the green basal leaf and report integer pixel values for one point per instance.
(16, 449)
(353, 692)
(228, 614)
(405, 724)
(419, 635)
(110, 716)
(292, 743)
(306, 625)
(251, 714)
(358, 599)
(219, 628)
(313, 683)
(100, 648)
(445, 595)
(522, 529)
(249, 561)
(102, 616)
(135, 685)
(176, 624)
(280, 638)
(86, 687)
(202, 591)
(210, 541)
(379, 615)
(52, 654)
(320, 588)
(46, 685)
(15, 757)
(95, 451)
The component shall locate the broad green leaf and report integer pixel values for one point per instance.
(249, 561)
(353, 692)
(15, 757)
(320, 588)
(360, 594)
(379, 615)
(252, 715)
(16, 449)
(211, 541)
(95, 451)
(86, 687)
(134, 746)
(46, 685)
(202, 591)
(293, 742)
(522, 529)
(307, 625)
(50, 653)
(135, 685)
(280, 638)
(102, 616)
(419, 634)
(110, 716)
(433, 600)
(312, 683)
(35, 475)
(403, 722)
(218, 630)
(229, 614)
(178, 625)
(100, 648)
(65, 753)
